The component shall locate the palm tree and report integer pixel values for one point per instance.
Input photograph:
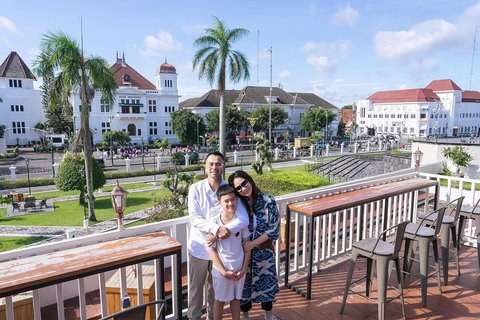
(213, 58)
(62, 58)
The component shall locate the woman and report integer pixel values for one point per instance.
(261, 284)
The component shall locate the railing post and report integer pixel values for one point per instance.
(13, 174)
(127, 164)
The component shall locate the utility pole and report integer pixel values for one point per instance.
(270, 100)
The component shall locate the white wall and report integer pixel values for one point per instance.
(432, 153)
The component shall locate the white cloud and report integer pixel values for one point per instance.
(346, 16)
(161, 43)
(7, 24)
(416, 48)
(325, 56)
(284, 74)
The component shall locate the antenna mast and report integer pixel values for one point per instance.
(473, 56)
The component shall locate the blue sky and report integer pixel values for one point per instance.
(340, 50)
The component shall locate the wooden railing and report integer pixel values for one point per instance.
(335, 234)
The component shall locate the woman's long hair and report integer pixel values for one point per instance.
(255, 190)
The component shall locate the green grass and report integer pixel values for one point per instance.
(136, 223)
(11, 243)
(456, 185)
(59, 194)
(70, 213)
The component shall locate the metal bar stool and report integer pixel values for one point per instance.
(449, 225)
(382, 252)
(468, 212)
(423, 234)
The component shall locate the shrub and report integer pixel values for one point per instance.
(277, 183)
(23, 183)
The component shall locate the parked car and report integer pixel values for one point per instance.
(179, 158)
(101, 162)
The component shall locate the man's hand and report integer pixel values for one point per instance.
(211, 239)
(223, 233)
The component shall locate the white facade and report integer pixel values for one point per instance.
(443, 113)
(20, 103)
(142, 112)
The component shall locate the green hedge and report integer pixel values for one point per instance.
(23, 183)
(277, 183)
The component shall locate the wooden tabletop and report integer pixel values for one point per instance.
(47, 269)
(345, 200)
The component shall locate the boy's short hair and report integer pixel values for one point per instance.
(225, 189)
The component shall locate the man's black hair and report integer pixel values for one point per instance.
(224, 190)
(215, 153)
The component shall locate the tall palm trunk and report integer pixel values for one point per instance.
(222, 124)
(85, 135)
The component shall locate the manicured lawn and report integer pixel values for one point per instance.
(70, 213)
(11, 243)
(59, 194)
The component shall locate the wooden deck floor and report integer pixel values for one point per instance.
(460, 299)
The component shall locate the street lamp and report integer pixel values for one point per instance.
(27, 162)
(111, 139)
(252, 121)
(119, 203)
(417, 157)
(198, 132)
(143, 156)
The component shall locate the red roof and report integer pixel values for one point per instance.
(120, 69)
(443, 85)
(14, 67)
(406, 95)
(470, 96)
(166, 68)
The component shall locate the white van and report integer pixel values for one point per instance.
(58, 140)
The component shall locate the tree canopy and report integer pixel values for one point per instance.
(117, 137)
(71, 174)
(236, 120)
(459, 156)
(261, 114)
(315, 119)
(215, 59)
(184, 123)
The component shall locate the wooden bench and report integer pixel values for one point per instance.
(15, 206)
(29, 203)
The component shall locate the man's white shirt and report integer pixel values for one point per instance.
(202, 207)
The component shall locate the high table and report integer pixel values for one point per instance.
(57, 267)
(321, 206)
(468, 212)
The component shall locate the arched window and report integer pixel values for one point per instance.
(132, 130)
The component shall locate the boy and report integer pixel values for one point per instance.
(230, 263)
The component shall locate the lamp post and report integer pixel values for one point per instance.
(198, 132)
(119, 203)
(417, 157)
(27, 162)
(111, 139)
(143, 156)
(253, 121)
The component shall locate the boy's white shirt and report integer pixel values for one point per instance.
(230, 250)
(202, 207)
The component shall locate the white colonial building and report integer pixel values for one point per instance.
(440, 109)
(20, 102)
(141, 108)
(251, 97)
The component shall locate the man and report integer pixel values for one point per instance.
(202, 207)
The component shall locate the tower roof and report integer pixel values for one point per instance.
(166, 68)
(14, 67)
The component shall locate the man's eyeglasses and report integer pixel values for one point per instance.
(242, 185)
(215, 164)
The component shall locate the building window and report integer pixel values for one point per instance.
(139, 132)
(423, 115)
(15, 83)
(125, 109)
(135, 109)
(104, 107)
(168, 83)
(18, 127)
(153, 128)
(152, 105)
(105, 127)
(132, 130)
